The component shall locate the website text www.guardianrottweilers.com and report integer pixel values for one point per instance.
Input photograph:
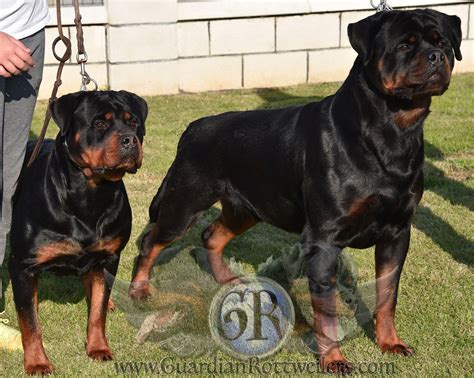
(256, 366)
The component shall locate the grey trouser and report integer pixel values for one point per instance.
(17, 103)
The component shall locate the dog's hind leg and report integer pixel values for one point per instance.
(25, 294)
(178, 205)
(88, 288)
(230, 223)
(150, 249)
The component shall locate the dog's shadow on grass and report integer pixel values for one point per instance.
(435, 180)
(435, 227)
(276, 98)
(60, 289)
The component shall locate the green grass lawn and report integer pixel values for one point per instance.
(435, 310)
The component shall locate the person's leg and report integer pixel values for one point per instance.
(17, 102)
(2, 239)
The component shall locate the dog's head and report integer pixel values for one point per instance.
(103, 131)
(408, 53)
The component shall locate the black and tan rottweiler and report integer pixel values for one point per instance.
(342, 172)
(71, 213)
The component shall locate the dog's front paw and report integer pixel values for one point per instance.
(139, 290)
(102, 354)
(337, 367)
(334, 362)
(44, 368)
(398, 348)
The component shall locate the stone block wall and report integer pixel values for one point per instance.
(157, 47)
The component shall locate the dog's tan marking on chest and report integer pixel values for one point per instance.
(49, 252)
(407, 118)
(109, 246)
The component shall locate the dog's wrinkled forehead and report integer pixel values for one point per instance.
(416, 22)
(403, 24)
(83, 107)
(383, 30)
(111, 102)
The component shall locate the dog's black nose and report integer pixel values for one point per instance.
(436, 57)
(129, 141)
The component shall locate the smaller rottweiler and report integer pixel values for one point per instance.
(71, 213)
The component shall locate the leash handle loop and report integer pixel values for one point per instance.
(67, 44)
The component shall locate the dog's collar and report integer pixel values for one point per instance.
(73, 161)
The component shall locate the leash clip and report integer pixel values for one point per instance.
(86, 79)
(4, 321)
(383, 6)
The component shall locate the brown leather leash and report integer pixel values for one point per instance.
(81, 59)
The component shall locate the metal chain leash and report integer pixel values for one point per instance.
(383, 6)
(81, 60)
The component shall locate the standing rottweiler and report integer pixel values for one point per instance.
(71, 213)
(343, 172)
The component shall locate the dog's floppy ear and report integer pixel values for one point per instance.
(452, 26)
(138, 106)
(362, 35)
(454, 23)
(62, 110)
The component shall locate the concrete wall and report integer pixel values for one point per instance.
(163, 46)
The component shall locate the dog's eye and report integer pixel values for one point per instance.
(408, 44)
(404, 47)
(101, 125)
(133, 124)
(441, 43)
